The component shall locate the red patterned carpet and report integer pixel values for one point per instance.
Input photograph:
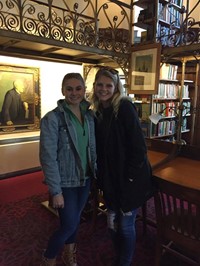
(20, 187)
(25, 226)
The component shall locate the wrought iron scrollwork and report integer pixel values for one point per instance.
(82, 22)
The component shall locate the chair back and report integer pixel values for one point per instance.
(178, 216)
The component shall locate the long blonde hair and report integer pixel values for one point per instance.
(118, 93)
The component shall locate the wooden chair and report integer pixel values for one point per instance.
(178, 221)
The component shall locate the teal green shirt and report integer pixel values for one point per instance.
(82, 135)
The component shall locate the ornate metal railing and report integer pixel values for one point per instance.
(90, 24)
(83, 23)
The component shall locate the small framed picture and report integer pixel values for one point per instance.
(145, 69)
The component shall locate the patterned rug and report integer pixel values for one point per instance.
(26, 225)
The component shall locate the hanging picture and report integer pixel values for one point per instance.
(145, 68)
(19, 98)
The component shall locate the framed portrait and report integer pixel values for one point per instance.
(145, 69)
(19, 98)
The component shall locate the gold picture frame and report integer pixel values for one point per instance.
(19, 99)
(145, 69)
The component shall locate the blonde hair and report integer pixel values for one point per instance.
(118, 93)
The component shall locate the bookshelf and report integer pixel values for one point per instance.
(174, 103)
(170, 16)
(158, 20)
(178, 94)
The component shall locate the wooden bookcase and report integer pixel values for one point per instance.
(158, 19)
(178, 93)
(173, 97)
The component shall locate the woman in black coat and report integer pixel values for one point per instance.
(124, 173)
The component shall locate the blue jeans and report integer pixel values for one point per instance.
(122, 229)
(75, 200)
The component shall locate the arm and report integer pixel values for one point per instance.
(135, 147)
(48, 152)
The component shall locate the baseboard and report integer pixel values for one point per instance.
(20, 172)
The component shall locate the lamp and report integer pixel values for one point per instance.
(180, 113)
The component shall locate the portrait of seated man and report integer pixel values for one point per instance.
(14, 110)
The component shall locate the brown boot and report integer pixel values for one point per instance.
(48, 262)
(69, 255)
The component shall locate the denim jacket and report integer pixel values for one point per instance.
(59, 157)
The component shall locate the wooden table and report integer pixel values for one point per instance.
(155, 157)
(180, 170)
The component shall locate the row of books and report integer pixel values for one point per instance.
(169, 14)
(184, 125)
(168, 71)
(168, 109)
(171, 91)
(186, 109)
(163, 128)
(167, 127)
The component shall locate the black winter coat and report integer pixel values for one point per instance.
(124, 173)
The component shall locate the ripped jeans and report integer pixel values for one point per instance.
(122, 230)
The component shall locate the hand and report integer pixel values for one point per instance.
(58, 201)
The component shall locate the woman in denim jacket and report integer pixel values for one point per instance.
(68, 156)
